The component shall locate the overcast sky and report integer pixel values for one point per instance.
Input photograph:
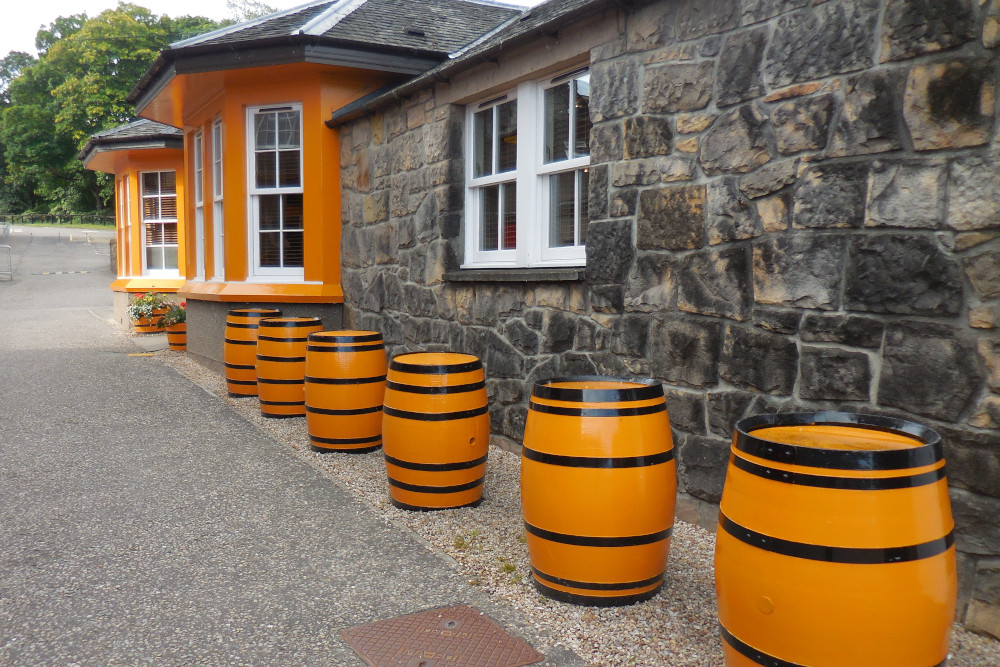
(22, 18)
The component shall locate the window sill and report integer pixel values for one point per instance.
(515, 275)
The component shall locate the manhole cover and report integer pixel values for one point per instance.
(445, 637)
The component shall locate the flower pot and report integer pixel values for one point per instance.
(148, 324)
(177, 336)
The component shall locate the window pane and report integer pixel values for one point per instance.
(168, 182)
(151, 183)
(489, 214)
(168, 207)
(509, 216)
(267, 176)
(170, 257)
(154, 258)
(561, 209)
(582, 117)
(151, 208)
(483, 140)
(584, 204)
(288, 129)
(264, 133)
(507, 136)
(293, 248)
(270, 215)
(270, 252)
(154, 234)
(288, 169)
(557, 123)
(169, 232)
(293, 212)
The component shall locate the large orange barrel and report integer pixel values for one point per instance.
(177, 337)
(344, 389)
(598, 487)
(835, 543)
(240, 349)
(281, 364)
(435, 430)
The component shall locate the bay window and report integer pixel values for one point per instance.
(218, 254)
(275, 175)
(159, 220)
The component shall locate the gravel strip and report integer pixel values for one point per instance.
(678, 627)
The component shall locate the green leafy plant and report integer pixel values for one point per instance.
(176, 314)
(144, 304)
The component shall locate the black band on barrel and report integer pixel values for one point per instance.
(327, 337)
(594, 586)
(233, 341)
(436, 467)
(832, 554)
(241, 381)
(420, 488)
(291, 324)
(345, 441)
(595, 462)
(814, 457)
(435, 369)
(646, 390)
(242, 367)
(598, 412)
(753, 654)
(241, 325)
(436, 416)
(281, 339)
(370, 380)
(344, 413)
(282, 402)
(591, 541)
(419, 389)
(341, 348)
(283, 360)
(844, 483)
(261, 380)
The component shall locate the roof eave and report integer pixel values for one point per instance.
(107, 144)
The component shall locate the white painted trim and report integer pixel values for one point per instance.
(228, 30)
(336, 13)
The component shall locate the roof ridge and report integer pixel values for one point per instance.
(190, 41)
(327, 19)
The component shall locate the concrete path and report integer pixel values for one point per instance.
(143, 522)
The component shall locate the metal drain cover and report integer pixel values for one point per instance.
(446, 637)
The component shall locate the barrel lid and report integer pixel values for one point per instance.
(346, 336)
(291, 322)
(435, 363)
(597, 389)
(929, 450)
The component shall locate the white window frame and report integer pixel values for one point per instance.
(218, 213)
(532, 182)
(269, 273)
(198, 150)
(146, 271)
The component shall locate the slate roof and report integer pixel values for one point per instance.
(141, 133)
(534, 23)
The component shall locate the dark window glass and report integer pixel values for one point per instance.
(561, 209)
(292, 248)
(270, 249)
(509, 216)
(557, 123)
(507, 136)
(292, 212)
(266, 170)
(270, 211)
(483, 143)
(489, 214)
(584, 204)
(288, 169)
(581, 114)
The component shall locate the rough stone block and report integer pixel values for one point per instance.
(443, 140)
(972, 459)
(827, 374)
(769, 178)
(869, 119)
(650, 171)
(689, 145)
(647, 136)
(521, 336)
(754, 11)
(974, 193)
(778, 320)
(736, 143)
(610, 251)
(597, 201)
(977, 529)
(725, 408)
(929, 370)
(983, 271)
(607, 298)
(773, 213)
(802, 124)
(832, 38)
(622, 202)
(991, 25)
(987, 413)
(801, 270)
(903, 274)
(989, 352)
(649, 28)
(614, 89)
(672, 218)
(950, 105)
(843, 329)
(739, 77)
(685, 351)
(985, 316)
(831, 195)
(715, 282)
(606, 141)
(755, 359)
(908, 195)
(914, 27)
(677, 87)
(731, 217)
(499, 357)
(701, 466)
(689, 123)
(652, 285)
(697, 18)
(686, 410)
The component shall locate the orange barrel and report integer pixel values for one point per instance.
(240, 349)
(598, 486)
(435, 430)
(177, 337)
(281, 364)
(345, 386)
(835, 543)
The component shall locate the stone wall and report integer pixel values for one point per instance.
(794, 206)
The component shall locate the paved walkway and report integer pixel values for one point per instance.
(142, 521)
